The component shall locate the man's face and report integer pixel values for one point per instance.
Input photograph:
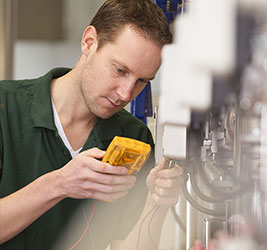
(114, 75)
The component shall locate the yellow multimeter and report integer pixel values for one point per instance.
(127, 152)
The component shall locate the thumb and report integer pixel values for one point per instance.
(94, 152)
(157, 168)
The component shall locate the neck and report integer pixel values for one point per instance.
(67, 97)
(75, 117)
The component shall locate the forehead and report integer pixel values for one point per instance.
(135, 51)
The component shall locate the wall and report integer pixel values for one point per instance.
(34, 57)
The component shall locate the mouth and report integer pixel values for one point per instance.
(114, 104)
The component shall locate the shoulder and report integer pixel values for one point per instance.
(16, 94)
(30, 85)
(17, 85)
(133, 127)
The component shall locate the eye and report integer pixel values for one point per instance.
(142, 81)
(118, 70)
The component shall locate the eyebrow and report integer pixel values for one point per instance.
(124, 67)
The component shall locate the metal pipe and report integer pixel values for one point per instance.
(180, 209)
(244, 188)
(178, 219)
(191, 220)
(198, 207)
(201, 195)
(7, 37)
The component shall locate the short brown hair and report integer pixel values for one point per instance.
(143, 15)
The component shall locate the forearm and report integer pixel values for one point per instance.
(20, 209)
(146, 233)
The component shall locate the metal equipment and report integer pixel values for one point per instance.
(213, 121)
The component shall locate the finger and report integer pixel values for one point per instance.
(170, 172)
(165, 201)
(111, 179)
(156, 169)
(94, 152)
(168, 192)
(106, 168)
(110, 189)
(169, 183)
(103, 167)
(161, 165)
(106, 196)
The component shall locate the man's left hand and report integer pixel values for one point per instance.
(165, 185)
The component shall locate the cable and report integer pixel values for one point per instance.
(140, 228)
(149, 231)
(199, 207)
(201, 195)
(89, 229)
(176, 217)
(86, 228)
(92, 239)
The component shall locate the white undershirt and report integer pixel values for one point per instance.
(62, 133)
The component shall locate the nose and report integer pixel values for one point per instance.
(125, 90)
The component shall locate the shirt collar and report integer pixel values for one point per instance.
(41, 111)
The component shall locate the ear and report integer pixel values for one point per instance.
(89, 39)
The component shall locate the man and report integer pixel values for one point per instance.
(76, 113)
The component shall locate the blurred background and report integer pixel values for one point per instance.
(44, 34)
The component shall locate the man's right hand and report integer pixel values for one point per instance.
(85, 176)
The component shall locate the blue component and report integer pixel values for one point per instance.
(169, 7)
(141, 106)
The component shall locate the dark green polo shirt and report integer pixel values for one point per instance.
(30, 147)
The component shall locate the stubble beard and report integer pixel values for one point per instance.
(95, 110)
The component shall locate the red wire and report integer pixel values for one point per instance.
(86, 228)
(140, 228)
